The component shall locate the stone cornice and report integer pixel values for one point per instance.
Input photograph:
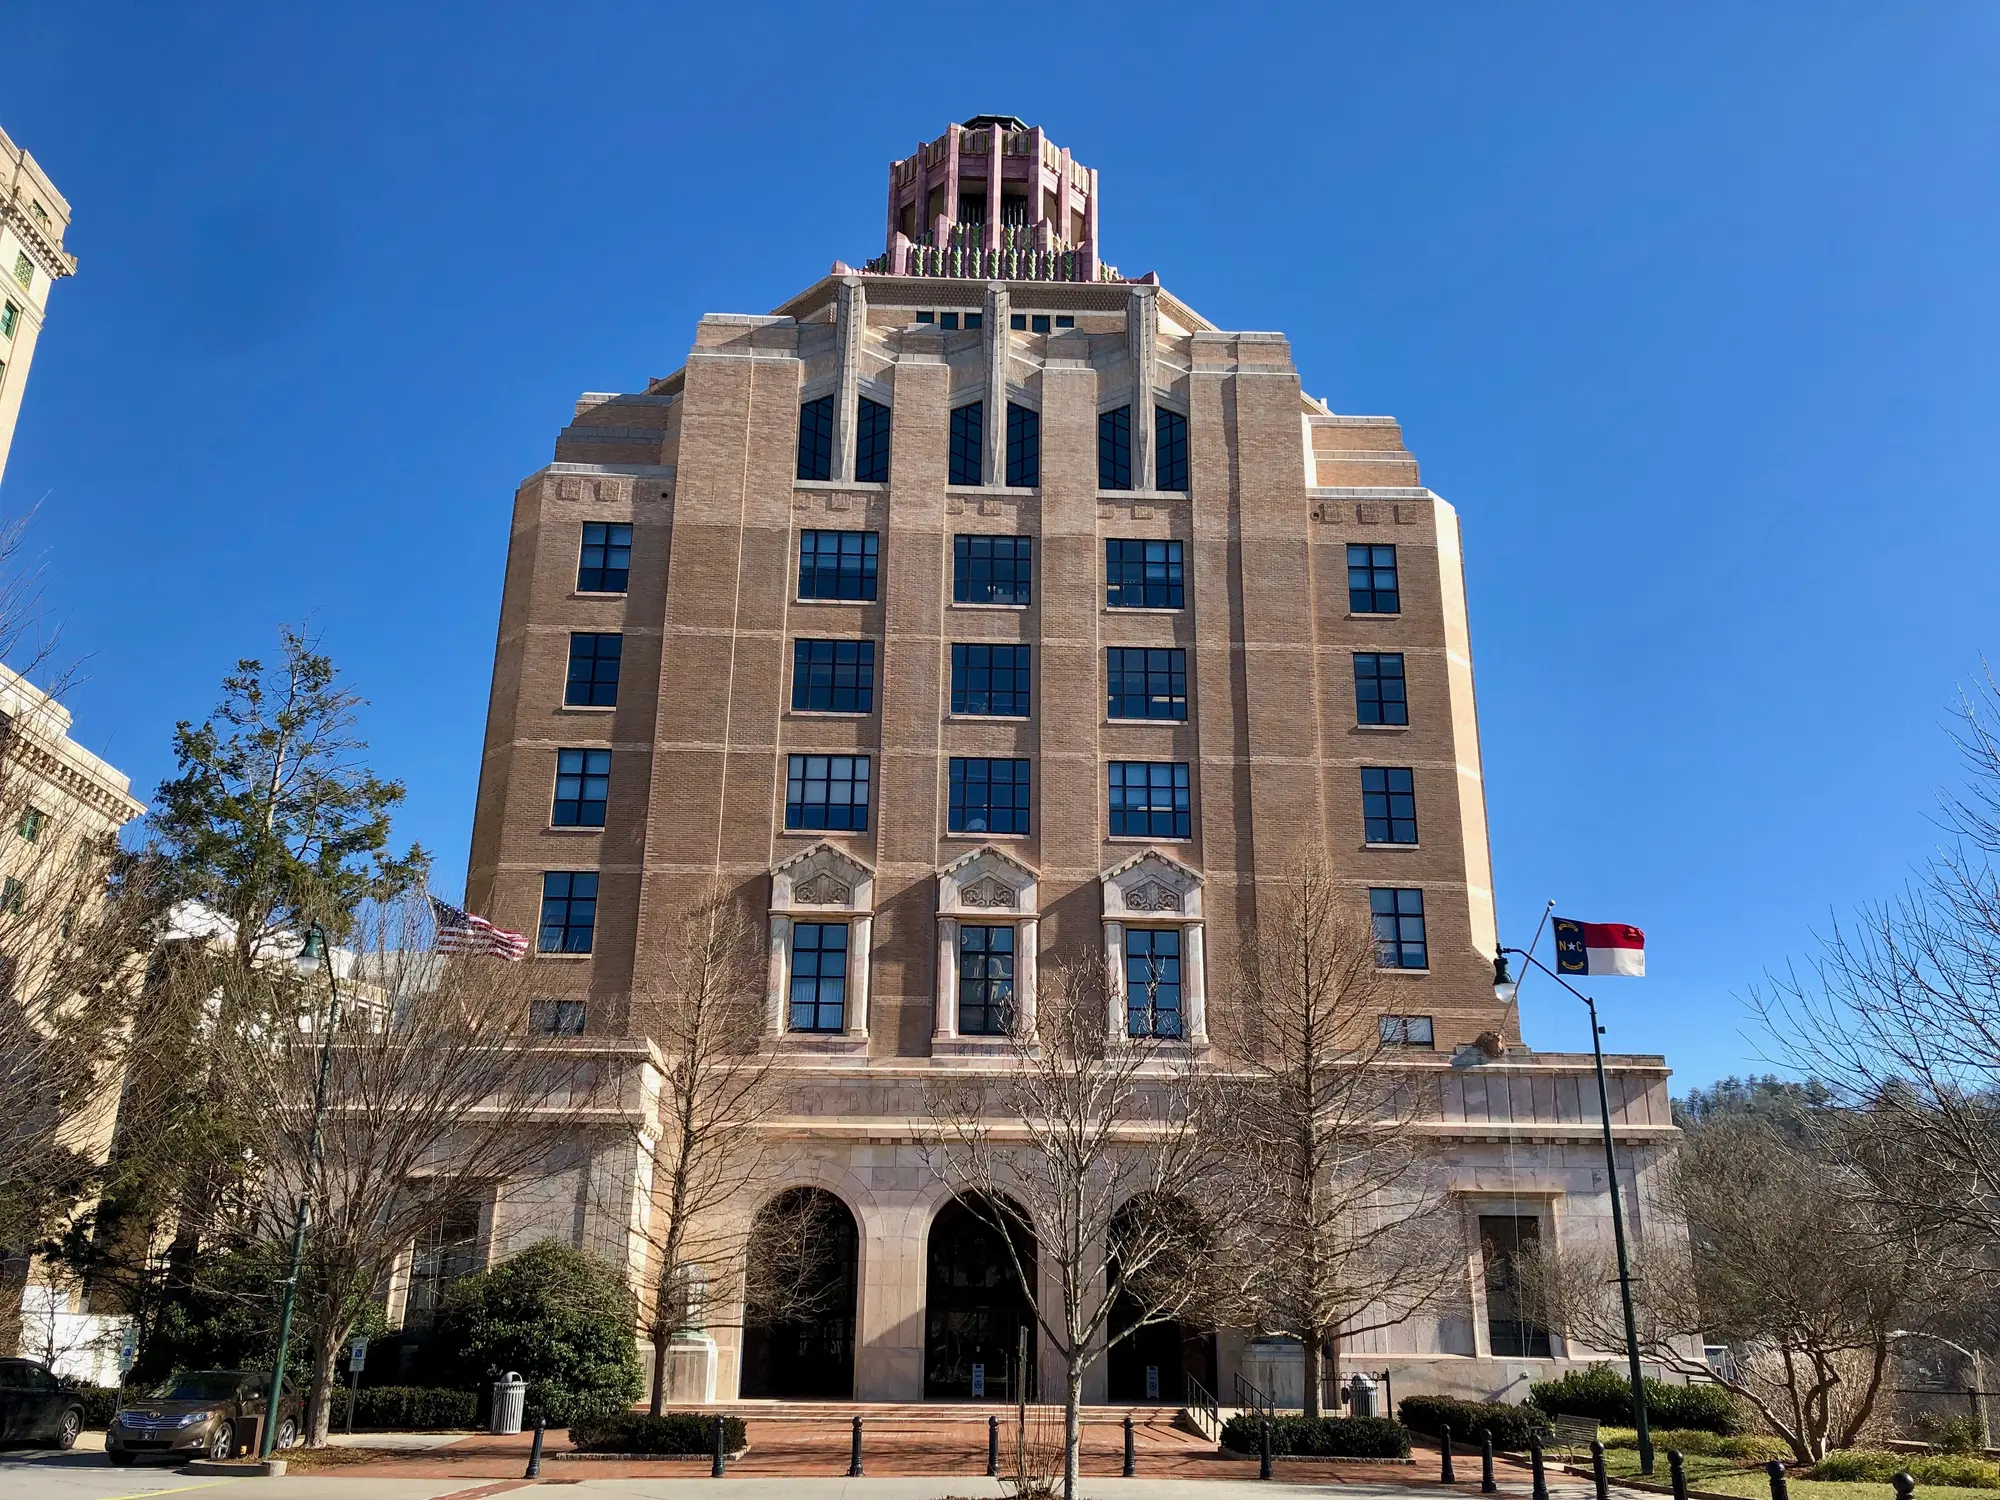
(56, 262)
(119, 807)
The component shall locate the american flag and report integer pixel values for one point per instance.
(462, 932)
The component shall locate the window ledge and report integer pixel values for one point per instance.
(1395, 969)
(1145, 609)
(1391, 846)
(1382, 728)
(1107, 721)
(588, 708)
(974, 491)
(1364, 615)
(822, 599)
(1143, 495)
(827, 713)
(564, 957)
(876, 486)
(966, 837)
(1148, 838)
(600, 594)
(968, 604)
(951, 718)
(822, 833)
(574, 828)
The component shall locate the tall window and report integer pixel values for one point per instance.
(1398, 919)
(1142, 575)
(1504, 1240)
(583, 786)
(1149, 799)
(593, 670)
(1114, 449)
(443, 1253)
(1404, 1031)
(1152, 981)
(992, 569)
(819, 976)
(827, 791)
(871, 442)
(988, 796)
(837, 564)
(569, 911)
(816, 439)
(968, 436)
(556, 1017)
(1170, 458)
(991, 681)
(1389, 804)
(33, 820)
(833, 677)
(605, 563)
(985, 981)
(1371, 580)
(1380, 694)
(10, 315)
(1024, 446)
(1145, 682)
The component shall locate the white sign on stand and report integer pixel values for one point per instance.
(357, 1355)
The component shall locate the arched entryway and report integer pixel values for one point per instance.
(799, 1293)
(1154, 1361)
(974, 1308)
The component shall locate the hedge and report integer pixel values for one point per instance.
(1601, 1391)
(99, 1402)
(1509, 1424)
(671, 1432)
(405, 1408)
(1322, 1437)
(1956, 1470)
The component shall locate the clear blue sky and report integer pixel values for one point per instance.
(1690, 310)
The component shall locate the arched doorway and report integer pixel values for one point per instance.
(974, 1308)
(799, 1294)
(1154, 1361)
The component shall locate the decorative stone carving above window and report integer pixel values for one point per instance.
(1151, 883)
(988, 893)
(1152, 896)
(988, 880)
(824, 880)
(823, 890)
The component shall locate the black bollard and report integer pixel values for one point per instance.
(1779, 1489)
(716, 1461)
(1446, 1473)
(1536, 1463)
(854, 1455)
(1264, 1449)
(1905, 1483)
(535, 1453)
(1131, 1461)
(1677, 1473)
(1597, 1473)
(992, 1447)
(1486, 1484)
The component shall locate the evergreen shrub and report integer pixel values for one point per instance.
(1509, 1424)
(670, 1432)
(1322, 1437)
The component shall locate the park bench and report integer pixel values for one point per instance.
(1572, 1432)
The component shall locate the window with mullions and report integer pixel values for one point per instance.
(993, 569)
(837, 564)
(1153, 981)
(988, 796)
(1024, 446)
(827, 791)
(583, 786)
(1398, 921)
(1380, 694)
(33, 821)
(871, 443)
(556, 1017)
(968, 429)
(10, 315)
(1142, 575)
(819, 976)
(816, 438)
(1404, 1031)
(833, 677)
(1145, 682)
(1114, 449)
(593, 670)
(1149, 799)
(1389, 804)
(991, 681)
(1371, 580)
(985, 981)
(604, 564)
(1170, 456)
(569, 911)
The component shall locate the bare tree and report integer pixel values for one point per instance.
(1351, 1231)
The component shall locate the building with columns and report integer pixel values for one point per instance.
(979, 606)
(33, 219)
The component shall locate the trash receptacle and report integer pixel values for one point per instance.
(1361, 1396)
(510, 1394)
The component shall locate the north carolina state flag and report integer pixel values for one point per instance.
(1600, 948)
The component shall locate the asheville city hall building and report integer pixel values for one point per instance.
(982, 603)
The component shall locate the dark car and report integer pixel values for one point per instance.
(36, 1407)
(197, 1414)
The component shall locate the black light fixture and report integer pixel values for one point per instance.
(1505, 986)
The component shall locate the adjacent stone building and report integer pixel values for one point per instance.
(33, 219)
(983, 604)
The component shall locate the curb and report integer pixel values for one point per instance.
(649, 1458)
(268, 1468)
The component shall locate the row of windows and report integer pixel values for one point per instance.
(1018, 322)
(871, 440)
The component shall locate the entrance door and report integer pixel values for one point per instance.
(800, 1292)
(974, 1309)
(1503, 1238)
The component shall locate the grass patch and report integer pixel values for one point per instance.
(1623, 1463)
(1754, 1485)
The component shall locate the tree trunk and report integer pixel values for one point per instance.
(1072, 1422)
(1332, 1372)
(319, 1407)
(661, 1337)
(1311, 1345)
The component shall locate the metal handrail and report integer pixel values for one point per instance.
(1204, 1410)
(1257, 1401)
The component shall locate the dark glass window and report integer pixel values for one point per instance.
(990, 680)
(1018, 322)
(1398, 918)
(833, 677)
(993, 569)
(33, 821)
(1389, 804)
(1380, 696)
(1504, 1241)
(1149, 799)
(948, 320)
(1024, 446)
(819, 976)
(1170, 458)
(985, 981)
(1145, 682)
(837, 564)
(556, 1017)
(968, 429)
(1405, 1031)
(1142, 575)
(871, 443)
(605, 562)
(583, 785)
(988, 796)
(975, 320)
(593, 670)
(827, 791)
(1114, 449)
(926, 317)
(1038, 322)
(1152, 981)
(816, 439)
(1065, 320)
(569, 911)
(1371, 580)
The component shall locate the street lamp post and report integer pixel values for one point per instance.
(315, 951)
(1504, 988)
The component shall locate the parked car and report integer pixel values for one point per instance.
(36, 1407)
(197, 1414)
